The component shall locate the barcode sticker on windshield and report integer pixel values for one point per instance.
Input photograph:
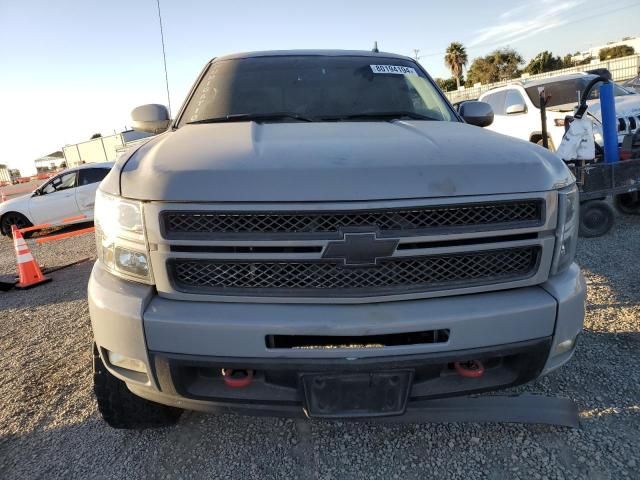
(397, 69)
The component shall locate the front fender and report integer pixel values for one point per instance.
(19, 205)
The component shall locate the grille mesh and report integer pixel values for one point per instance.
(503, 214)
(397, 275)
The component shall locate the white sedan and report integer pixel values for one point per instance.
(69, 194)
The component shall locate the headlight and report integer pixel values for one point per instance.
(121, 241)
(117, 217)
(567, 229)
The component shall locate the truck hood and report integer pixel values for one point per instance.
(626, 106)
(333, 161)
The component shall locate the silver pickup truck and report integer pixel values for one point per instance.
(319, 233)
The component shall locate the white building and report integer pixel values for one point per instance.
(594, 52)
(50, 162)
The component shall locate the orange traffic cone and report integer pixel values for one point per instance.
(28, 270)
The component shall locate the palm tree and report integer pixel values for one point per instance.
(455, 59)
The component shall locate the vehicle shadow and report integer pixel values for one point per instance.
(60, 230)
(67, 285)
(72, 441)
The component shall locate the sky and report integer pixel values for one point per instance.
(72, 68)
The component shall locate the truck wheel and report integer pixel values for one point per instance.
(122, 409)
(596, 218)
(628, 203)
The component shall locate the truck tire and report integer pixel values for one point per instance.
(122, 409)
(596, 218)
(628, 203)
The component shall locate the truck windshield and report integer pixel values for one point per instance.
(566, 91)
(315, 88)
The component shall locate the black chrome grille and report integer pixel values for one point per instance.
(322, 278)
(407, 221)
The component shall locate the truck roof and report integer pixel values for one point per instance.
(312, 53)
(557, 78)
(539, 81)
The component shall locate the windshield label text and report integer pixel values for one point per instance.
(396, 69)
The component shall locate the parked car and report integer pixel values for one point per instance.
(68, 194)
(319, 233)
(517, 108)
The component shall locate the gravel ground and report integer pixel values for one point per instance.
(49, 426)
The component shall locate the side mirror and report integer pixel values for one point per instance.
(151, 118)
(476, 113)
(517, 108)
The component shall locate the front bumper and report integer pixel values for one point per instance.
(185, 344)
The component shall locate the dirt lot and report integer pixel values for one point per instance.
(49, 426)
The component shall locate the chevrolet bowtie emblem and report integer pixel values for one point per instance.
(360, 249)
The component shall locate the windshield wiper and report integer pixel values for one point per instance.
(380, 116)
(258, 117)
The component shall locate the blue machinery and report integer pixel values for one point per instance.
(609, 123)
(599, 180)
(608, 113)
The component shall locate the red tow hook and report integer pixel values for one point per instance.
(237, 378)
(470, 369)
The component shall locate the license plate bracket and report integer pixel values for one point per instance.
(362, 394)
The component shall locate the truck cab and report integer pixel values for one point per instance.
(319, 233)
